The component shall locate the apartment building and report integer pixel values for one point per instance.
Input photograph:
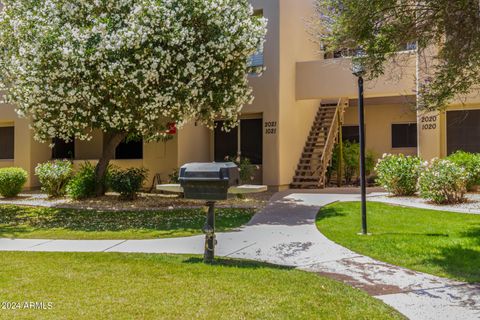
(302, 101)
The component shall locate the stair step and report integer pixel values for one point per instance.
(312, 180)
(307, 173)
(312, 153)
(298, 185)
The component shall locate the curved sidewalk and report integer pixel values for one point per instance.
(285, 233)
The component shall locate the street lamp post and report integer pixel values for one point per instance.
(359, 71)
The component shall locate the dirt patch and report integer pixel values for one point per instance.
(372, 289)
(145, 201)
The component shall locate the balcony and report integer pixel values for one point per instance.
(332, 78)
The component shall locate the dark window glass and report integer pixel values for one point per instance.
(463, 131)
(351, 134)
(131, 149)
(404, 135)
(7, 141)
(62, 149)
(251, 140)
(225, 143)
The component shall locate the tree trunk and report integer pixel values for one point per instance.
(110, 144)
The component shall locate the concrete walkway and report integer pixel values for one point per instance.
(284, 233)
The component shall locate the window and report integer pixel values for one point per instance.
(251, 140)
(257, 59)
(463, 131)
(62, 149)
(404, 135)
(7, 142)
(131, 149)
(351, 134)
(226, 143)
(249, 144)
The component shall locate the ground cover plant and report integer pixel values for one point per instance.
(51, 223)
(139, 286)
(442, 243)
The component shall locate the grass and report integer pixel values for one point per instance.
(127, 286)
(51, 223)
(442, 243)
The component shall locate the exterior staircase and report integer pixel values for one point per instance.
(317, 153)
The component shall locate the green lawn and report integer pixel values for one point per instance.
(49, 223)
(446, 244)
(139, 286)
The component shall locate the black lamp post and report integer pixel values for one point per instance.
(359, 71)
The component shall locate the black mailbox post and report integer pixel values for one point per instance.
(209, 181)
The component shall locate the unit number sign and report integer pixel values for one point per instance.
(429, 122)
(270, 127)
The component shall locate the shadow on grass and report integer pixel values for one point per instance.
(462, 263)
(326, 213)
(17, 219)
(237, 263)
(444, 235)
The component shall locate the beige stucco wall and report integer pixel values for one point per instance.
(266, 91)
(193, 145)
(296, 117)
(437, 145)
(378, 122)
(158, 157)
(27, 152)
(332, 78)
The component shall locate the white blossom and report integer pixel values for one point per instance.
(126, 65)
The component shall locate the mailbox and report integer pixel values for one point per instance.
(208, 181)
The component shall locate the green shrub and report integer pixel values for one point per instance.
(54, 176)
(83, 183)
(398, 174)
(127, 182)
(173, 177)
(443, 182)
(12, 181)
(351, 161)
(471, 163)
(246, 169)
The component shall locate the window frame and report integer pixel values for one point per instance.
(257, 60)
(408, 124)
(351, 125)
(132, 158)
(239, 139)
(12, 127)
(62, 158)
(464, 113)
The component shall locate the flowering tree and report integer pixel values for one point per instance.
(126, 67)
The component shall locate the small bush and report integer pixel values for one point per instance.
(351, 161)
(246, 169)
(398, 174)
(54, 176)
(127, 182)
(12, 181)
(443, 182)
(471, 163)
(83, 183)
(173, 177)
